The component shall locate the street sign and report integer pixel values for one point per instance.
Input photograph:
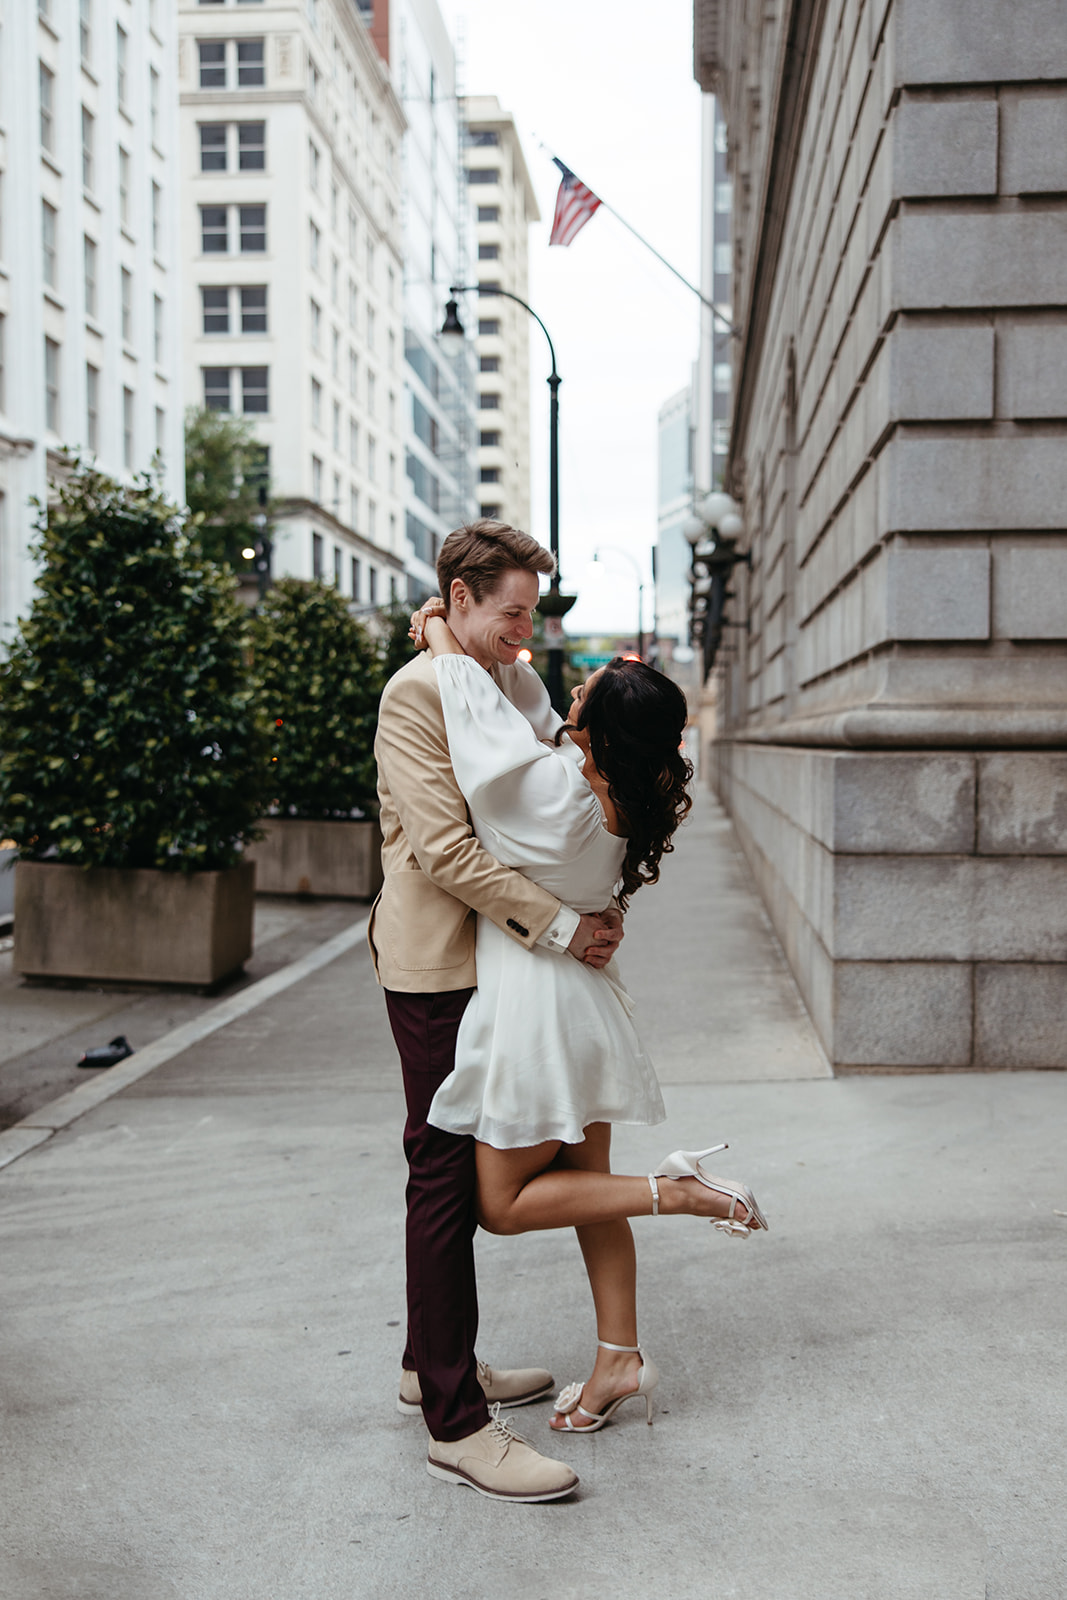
(592, 661)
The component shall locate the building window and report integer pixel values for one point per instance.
(491, 511)
(316, 493)
(489, 288)
(231, 63)
(51, 385)
(489, 440)
(355, 559)
(253, 229)
(372, 394)
(215, 304)
(316, 404)
(314, 165)
(353, 443)
(254, 390)
(336, 435)
(212, 147)
(157, 217)
(489, 364)
(489, 475)
(335, 353)
(316, 542)
(47, 96)
(214, 230)
(483, 136)
(88, 145)
(724, 259)
(153, 104)
(126, 281)
(92, 407)
(724, 196)
(316, 325)
(488, 327)
(353, 303)
(85, 30)
(157, 330)
(483, 175)
(216, 388)
(121, 77)
(720, 438)
(372, 572)
(254, 309)
(127, 427)
(161, 429)
(124, 187)
(488, 213)
(488, 252)
(314, 247)
(353, 373)
(372, 458)
(722, 377)
(49, 262)
(370, 327)
(90, 276)
(336, 567)
(250, 73)
(251, 146)
(489, 402)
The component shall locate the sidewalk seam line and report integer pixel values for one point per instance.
(67, 1108)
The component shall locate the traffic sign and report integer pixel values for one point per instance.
(592, 661)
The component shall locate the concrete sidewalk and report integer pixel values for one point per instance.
(203, 1318)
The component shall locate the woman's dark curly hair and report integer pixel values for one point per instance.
(635, 718)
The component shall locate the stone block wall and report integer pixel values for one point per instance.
(891, 716)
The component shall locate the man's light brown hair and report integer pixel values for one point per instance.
(481, 552)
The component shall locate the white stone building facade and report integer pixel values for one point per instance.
(89, 255)
(293, 272)
(892, 732)
(439, 415)
(503, 205)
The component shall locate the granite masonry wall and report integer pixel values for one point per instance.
(892, 726)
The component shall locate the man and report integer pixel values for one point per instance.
(437, 880)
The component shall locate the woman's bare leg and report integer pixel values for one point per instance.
(611, 1264)
(520, 1191)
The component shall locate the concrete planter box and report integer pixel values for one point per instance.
(337, 860)
(132, 925)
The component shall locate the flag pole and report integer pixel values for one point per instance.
(710, 304)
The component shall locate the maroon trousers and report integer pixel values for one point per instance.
(442, 1293)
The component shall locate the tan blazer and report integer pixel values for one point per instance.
(437, 876)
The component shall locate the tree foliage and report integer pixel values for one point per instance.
(318, 682)
(223, 475)
(127, 729)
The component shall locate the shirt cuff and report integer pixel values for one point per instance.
(560, 932)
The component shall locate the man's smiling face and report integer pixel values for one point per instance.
(493, 628)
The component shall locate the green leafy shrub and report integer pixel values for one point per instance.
(318, 680)
(127, 729)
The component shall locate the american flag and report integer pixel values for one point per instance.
(575, 204)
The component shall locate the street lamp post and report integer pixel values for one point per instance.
(616, 550)
(712, 533)
(553, 606)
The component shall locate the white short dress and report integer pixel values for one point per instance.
(546, 1045)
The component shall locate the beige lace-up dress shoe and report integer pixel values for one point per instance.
(496, 1462)
(505, 1386)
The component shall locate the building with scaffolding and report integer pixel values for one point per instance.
(439, 390)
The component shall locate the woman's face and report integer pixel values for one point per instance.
(579, 693)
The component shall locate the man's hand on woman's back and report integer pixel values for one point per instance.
(597, 937)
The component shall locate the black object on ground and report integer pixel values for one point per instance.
(106, 1055)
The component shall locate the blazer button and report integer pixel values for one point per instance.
(518, 927)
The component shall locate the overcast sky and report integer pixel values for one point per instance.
(608, 86)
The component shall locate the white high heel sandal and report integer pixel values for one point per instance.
(686, 1164)
(568, 1398)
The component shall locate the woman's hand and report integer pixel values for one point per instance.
(429, 608)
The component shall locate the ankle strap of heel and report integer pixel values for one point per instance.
(625, 1348)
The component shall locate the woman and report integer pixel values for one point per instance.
(547, 1057)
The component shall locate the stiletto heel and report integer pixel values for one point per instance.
(567, 1401)
(686, 1164)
